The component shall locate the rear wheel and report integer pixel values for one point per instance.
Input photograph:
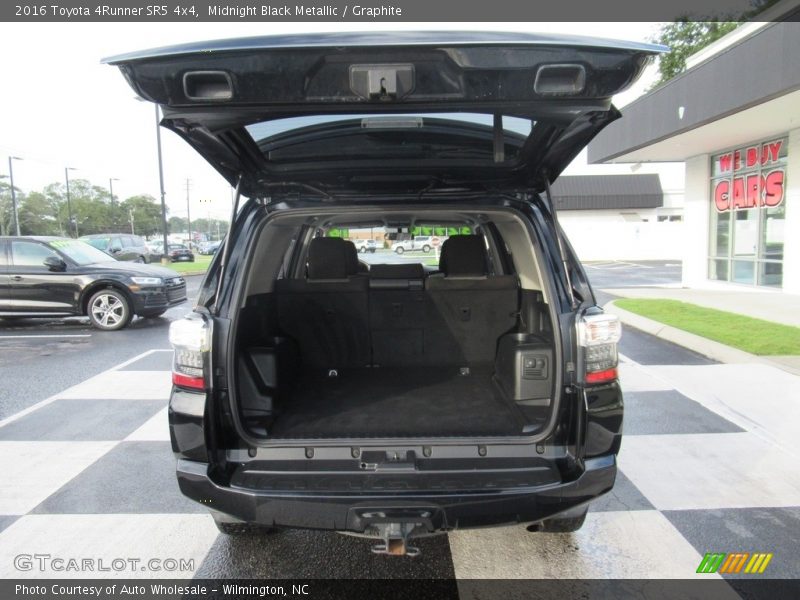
(399, 250)
(426, 248)
(109, 310)
(362, 250)
(140, 259)
(566, 524)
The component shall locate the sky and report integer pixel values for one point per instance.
(61, 108)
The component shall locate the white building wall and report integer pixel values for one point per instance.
(607, 235)
(696, 212)
(791, 247)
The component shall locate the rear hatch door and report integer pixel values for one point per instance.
(245, 105)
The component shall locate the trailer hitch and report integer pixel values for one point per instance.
(395, 539)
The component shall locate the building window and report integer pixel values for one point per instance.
(748, 207)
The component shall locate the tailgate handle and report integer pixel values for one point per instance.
(382, 82)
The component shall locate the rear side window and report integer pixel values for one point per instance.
(116, 244)
(29, 254)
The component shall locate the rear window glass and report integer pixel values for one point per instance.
(267, 129)
(99, 243)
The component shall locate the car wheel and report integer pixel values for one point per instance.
(399, 250)
(140, 259)
(565, 524)
(426, 248)
(372, 250)
(109, 310)
(362, 250)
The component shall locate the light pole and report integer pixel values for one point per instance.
(111, 181)
(165, 256)
(189, 212)
(69, 201)
(13, 193)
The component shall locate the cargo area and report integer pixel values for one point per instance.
(395, 350)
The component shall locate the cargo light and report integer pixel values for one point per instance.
(598, 335)
(191, 339)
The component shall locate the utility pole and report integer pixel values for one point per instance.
(13, 192)
(130, 212)
(188, 211)
(165, 257)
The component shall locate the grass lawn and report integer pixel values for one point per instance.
(755, 336)
(200, 265)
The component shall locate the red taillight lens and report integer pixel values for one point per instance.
(191, 339)
(598, 335)
(601, 376)
(187, 381)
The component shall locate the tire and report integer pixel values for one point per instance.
(564, 524)
(372, 250)
(399, 250)
(426, 248)
(109, 310)
(362, 250)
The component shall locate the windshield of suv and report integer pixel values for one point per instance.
(81, 252)
(100, 243)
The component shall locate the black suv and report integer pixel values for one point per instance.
(51, 276)
(418, 396)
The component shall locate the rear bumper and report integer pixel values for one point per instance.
(351, 512)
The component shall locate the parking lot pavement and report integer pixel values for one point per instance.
(707, 465)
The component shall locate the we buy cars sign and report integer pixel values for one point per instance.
(750, 177)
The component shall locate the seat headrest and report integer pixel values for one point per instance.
(464, 256)
(399, 271)
(328, 258)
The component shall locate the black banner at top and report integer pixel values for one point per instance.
(383, 11)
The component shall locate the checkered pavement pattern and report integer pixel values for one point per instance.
(708, 463)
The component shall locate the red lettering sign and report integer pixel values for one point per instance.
(753, 191)
(775, 150)
(722, 195)
(773, 188)
(725, 162)
(752, 156)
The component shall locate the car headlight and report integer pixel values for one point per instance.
(147, 280)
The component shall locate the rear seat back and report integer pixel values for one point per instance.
(397, 314)
(468, 309)
(327, 313)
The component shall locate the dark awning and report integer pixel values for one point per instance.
(584, 192)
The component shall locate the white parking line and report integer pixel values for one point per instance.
(55, 397)
(71, 335)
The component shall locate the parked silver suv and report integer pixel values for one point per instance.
(425, 243)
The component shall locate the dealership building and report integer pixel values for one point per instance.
(733, 118)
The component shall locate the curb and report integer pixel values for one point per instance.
(710, 348)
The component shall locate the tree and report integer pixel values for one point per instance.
(684, 38)
(146, 214)
(38, 215)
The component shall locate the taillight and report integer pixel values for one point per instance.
(191, 339)
(598, 335)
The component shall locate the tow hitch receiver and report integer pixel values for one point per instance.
(395, 539)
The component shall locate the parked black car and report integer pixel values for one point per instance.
(411, 399)
(180, 252)
(122, 246)
(51, 276)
